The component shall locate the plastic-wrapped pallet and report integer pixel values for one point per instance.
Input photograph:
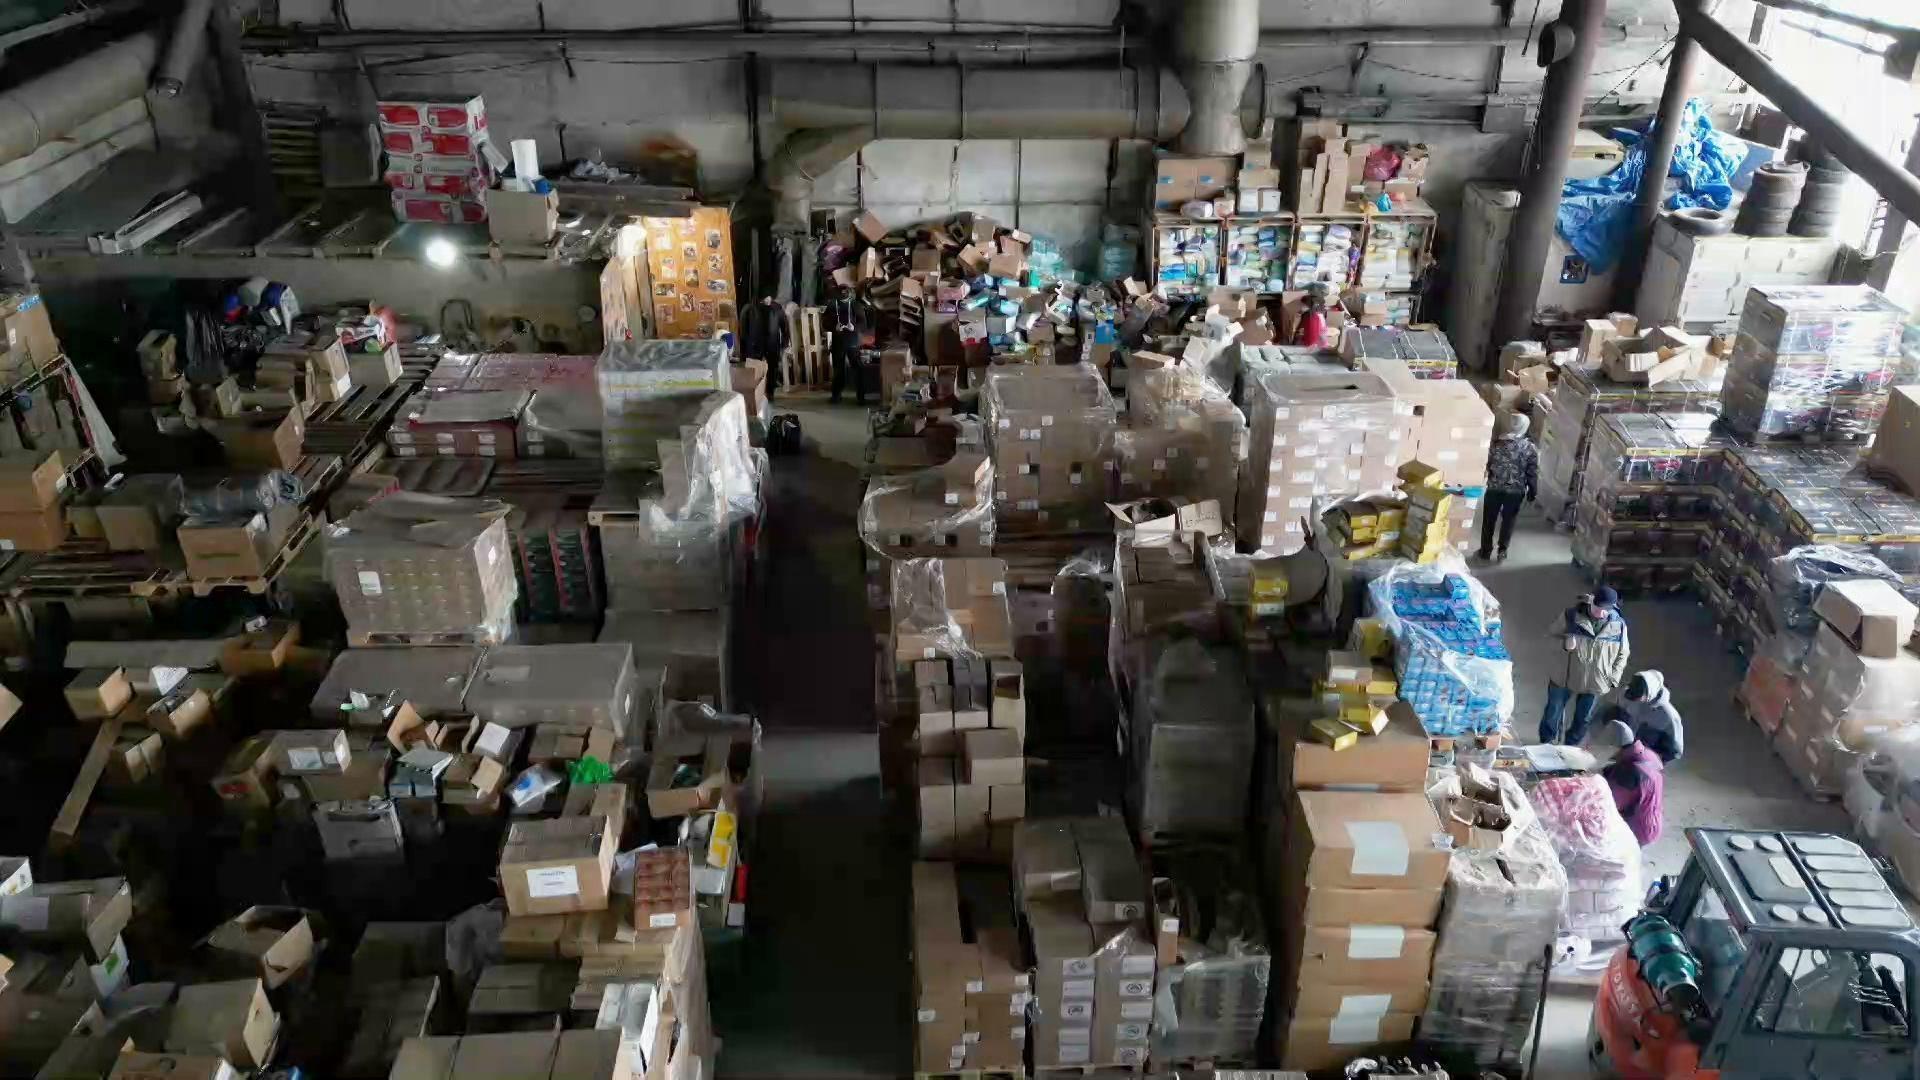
(945, 511)
(1187, 439)
(424, 564)
(1050, 432)
(1313, 433)
(1598, 852)
(1191, 735)
(1453, 667)
(1502, 912)
(1580, 398)
(1839, 704)
(1209, 1002)
(1812, 360)
(644, 389)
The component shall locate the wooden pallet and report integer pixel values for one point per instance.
(352, 426)
(318, 473)
(805, 363)
(483, 635)
(84, 568)
(303, 530)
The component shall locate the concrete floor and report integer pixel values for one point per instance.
(822, 983)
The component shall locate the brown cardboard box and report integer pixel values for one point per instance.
(40, 530)
(408, 563)
(97, 693)
(232, 1019)
(935, 782)
(274, 943)
(30, 338)
(139, 514)
(1895, 454)
(1365, 840)
(245, 779)
(1179, 180)
(1312, 1045)
(709, 754)
(522, 217)
(1870, 614)
(1394, 760)
(29, 485)
(1364, 955)
(180, 713)
(323, 750)
(136, 1065)
(869, 227)
(1112, 884)
(89, 914)
(1006, 803)
(1315, 1000)
(557, 866)
(261, 440)
(230, 548)
(992, 756)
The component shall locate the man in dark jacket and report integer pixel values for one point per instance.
(1647, 707)
(846, 319)
(763, 336)
(1513, 476)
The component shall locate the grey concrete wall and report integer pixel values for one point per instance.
(621, 104)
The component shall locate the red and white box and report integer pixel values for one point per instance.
(439, 209)
(451, 114)
(420, 141)
(453, 176)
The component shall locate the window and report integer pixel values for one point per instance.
(1839, 993)
(1716, 944)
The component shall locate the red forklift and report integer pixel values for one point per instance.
(1774, 954)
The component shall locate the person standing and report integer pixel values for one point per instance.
(1647, 707)
(1513, 477)
(1593, 635)
(846, 321)
(763, 336)
(1634, 775)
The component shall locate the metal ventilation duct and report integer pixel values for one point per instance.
(1215, 42)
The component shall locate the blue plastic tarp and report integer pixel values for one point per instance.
(1595, 214)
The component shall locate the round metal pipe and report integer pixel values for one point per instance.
(1682, 65)
(1560, 104)
(1899, 187)
(903, 102)
(183, 48)
(1821, 11)
(1216, 41)
(43, 109)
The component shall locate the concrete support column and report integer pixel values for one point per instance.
(1682, 65)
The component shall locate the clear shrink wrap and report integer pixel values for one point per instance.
(416, 564)
(945, 511)
(1209, 1003)
(1452, 665)
(1313, 432)
(644, 388)
(1050, 433)
(1597, 851)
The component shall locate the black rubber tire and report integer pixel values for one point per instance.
(1701, 221)
(1821, 199)
(1768, 200)
(1777, 217)
(1826, 174)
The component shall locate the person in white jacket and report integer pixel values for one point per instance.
(1647, 707)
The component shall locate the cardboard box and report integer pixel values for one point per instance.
(245, 779)
(522, 217)
(1112, 883)
(935, 792)
(261, 440)
(709, 755)
(359, 829)
(1364, 840)
(274, 943)
(136, 1065)
(1312, 1045)
(1006, 803)
(1394, 760)
(38, 530)
(1316, 1000)
(1870, 614)
(557, 866)
(1180, 180)
(312, 751)
(29, 485)
(413, 564)
(180, 713)
(991, 756)
(231, 1019)
(1365, 955)
(234, 549)
(88, 913)
(97, 693)
(1895, 454)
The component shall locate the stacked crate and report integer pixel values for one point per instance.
(438, 162)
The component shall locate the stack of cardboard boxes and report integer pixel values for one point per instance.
(31, 515)
(1082, 896)
(1050, 430)
(1184, 439)
(1360, 883)
(970, 986)
(440, 161)
(1312, 435)
(1452, 430)
(422, 565)
(1857, 682)
(945, 511)
(1812, 360)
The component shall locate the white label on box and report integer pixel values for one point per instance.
(1005, 423)
(369, 583)
(1129, 1031)
(953, 498)
(1370, 942)
(1078, 966)
(445, 451)
(1136, 965)
(1282, 414)
(486, 436)
(968, 1038)
(443, 436)
(1130, 1055)
(487, 449)
(1270, 516)
(1075, 480)
(1136, 1010)
(1169, 925)
(1379, 849)
(926, 1016)
(1345, 1030)
(1136, 987)
(1046, 421)
(928, 653)
(407, 451)
(1018, 1032)
(1076, 1035)
(6, 545)
(547, 881)
(304, 759)
(662, 920)
(1302, 502)
(1076, 988)
(999, 588)
(1076, 1010)
(1075, 1055)
(1307, 450)
(976, 986)
(29, 913)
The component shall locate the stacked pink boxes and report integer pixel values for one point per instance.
(438, 163)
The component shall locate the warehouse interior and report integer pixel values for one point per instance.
(959, 539)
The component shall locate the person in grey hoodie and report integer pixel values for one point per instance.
(1647, 707)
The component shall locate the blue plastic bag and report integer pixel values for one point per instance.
(1595, 214)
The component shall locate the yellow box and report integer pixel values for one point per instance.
(1369, 637)
(1418, 474)
(1435, 502)
(1391, 518)
(1372, 723)
(1382, 682)
(1333, 733)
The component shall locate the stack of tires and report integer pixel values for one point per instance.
(1819, 207)
(1772, 198)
